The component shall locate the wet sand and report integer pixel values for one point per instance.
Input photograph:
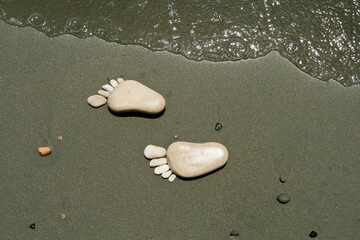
(277, 122)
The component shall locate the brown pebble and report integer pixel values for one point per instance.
(60, 138)
(63, 216)
(44, 151)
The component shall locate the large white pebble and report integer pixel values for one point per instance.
(152, 151)
(108, 87)
(114, 83)
(172, 178)
(104, 93)
(157, 162)
(96, 100)
(132, 96)
(161, 169)
(190, 160)
(120, 80)
(166, 174)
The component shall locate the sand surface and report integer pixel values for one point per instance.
(277, 121)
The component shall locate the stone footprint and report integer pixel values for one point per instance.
(185, 159)
(124, 96)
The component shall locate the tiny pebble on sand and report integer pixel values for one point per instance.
(283, 198)
(234, 233)
(313, 234)
(218, 126)
(44, 151)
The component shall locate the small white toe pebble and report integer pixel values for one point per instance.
(152, 151)
(166, 174)
(161, 169)
(172, 178)
(120, 80)
(114, 83)
(103, 93)
(108, 87)
(157, 162)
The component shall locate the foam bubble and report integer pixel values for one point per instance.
(2, 13)
(15, 21)
(36, 20)
(114, 38)
(212, 57)
(74, 25)
(291, 47)
(176, 46)
(356, 78)
(100, 32)
(236, 49)
(340, 77)
(45, 28)
(300, 61)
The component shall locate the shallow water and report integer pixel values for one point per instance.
(320, 38)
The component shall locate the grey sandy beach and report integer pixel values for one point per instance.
(277, 122)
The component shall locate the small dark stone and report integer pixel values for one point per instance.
(218, 126)
(282, 179)
(313, 234)
(32, 226)
(234, 233)
(283, 198)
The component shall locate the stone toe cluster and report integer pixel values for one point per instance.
(185, 159)
(158, 161)
(128, 96)
(101, 98)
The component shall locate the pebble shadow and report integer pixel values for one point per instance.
(202, 176)
(138, 114)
